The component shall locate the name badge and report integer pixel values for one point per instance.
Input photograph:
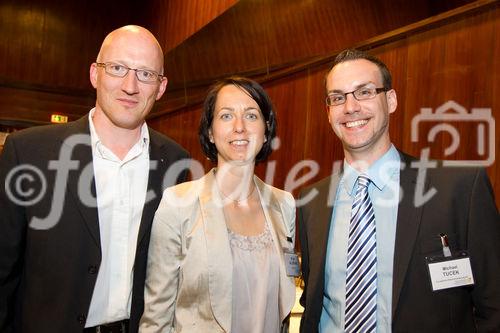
(450, 272)
(292, 264)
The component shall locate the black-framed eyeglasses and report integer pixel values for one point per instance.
(359, 94)
(143, 75)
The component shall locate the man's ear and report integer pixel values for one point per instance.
(162, 88)
(93, 75)
(327, 108)
(392, 100)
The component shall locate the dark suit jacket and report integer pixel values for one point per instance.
(47, 277)
(463, 208)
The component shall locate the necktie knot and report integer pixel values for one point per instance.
(363, 181)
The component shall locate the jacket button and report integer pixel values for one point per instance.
(92, 269)
(81, 319)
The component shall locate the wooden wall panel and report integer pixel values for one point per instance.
(21, 25)
(458, 67)
(37, 106)
(321, 143)
(257, 34)
(291, 100)
(174, 21)
(52, 43)
(395, 56)
(46, 48)
(456, 60)
(461, 64)
(183, 128)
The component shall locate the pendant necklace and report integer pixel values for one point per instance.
(237, 202)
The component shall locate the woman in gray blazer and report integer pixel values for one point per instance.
(216, 258)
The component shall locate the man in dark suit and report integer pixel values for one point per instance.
(417, 217)
(77, 201)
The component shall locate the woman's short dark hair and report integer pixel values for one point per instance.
(257, 93)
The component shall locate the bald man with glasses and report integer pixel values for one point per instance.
(73, 259)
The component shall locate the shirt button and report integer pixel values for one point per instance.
(92, 269)
(81, 319)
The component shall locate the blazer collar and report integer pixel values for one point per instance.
(219, 263)
(159, 161)
(321, 209)
(274, 214)
(220, 267)
(76, 140)
(408, 223)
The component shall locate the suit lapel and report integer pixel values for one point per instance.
(158, 164)
(77, 140)
(321, 213)
(274, 215)
(219, 263)
(82, 152)
(408, 222)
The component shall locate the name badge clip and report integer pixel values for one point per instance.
(450, 270)
(291, 263)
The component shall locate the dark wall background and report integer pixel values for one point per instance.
(437, 51)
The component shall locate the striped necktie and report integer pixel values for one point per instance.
(361, 281)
